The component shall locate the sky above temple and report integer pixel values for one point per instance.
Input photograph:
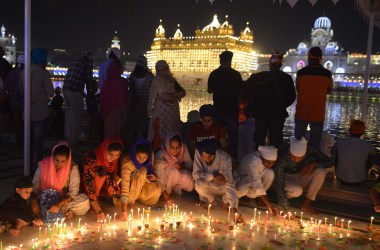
(78, 25)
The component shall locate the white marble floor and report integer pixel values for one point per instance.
(258, 232)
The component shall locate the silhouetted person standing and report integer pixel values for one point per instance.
(224, 83)
(271, 92)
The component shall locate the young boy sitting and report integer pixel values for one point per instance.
(15, 212)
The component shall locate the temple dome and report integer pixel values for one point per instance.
(213, 25)
(322, 23)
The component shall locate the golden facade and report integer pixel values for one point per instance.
(200, 53)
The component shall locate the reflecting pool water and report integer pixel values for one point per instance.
(339, 111)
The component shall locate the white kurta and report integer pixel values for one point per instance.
(253, 178)
(203, 175)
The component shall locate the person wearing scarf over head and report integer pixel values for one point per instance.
(173, 166)
(163, 106)
(212, 172)
(100, 169)
(113, 102)
(56, 186)
(139, 181)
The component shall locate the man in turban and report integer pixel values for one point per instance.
(212, 172)
(225, 83)
(300, 167)
(271, 93)
(255, 175)
(354, 156)
(206, 128)
(313, 83)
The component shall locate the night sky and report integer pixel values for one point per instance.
(79, 25)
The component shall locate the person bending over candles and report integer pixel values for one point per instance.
(139, 181)
(212, 172)
(56, 186)
(255, 175)
(15, 211)
(300, 166)
(100, 177)
(173, 166)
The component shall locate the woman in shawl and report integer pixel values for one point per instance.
(56, 186)
(139, 181)
(113, 101)
(140, 82)
(163, 106)
(173, 166)
(100, 169)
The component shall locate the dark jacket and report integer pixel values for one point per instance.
(270, 101)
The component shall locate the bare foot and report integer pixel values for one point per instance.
(69, 214)
(14, 232)
(377, 208)
(308, 209)
(226, 206)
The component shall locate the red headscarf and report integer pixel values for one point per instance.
(101, 154)
(50, 176)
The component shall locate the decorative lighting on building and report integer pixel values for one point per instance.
(200, 53)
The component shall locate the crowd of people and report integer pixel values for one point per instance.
(146, 152)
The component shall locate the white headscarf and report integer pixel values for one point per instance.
(298, 147)
(268, 152)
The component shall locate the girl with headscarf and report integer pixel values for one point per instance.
(163, 106)
(139, 181)
(113, 102)
(140, 82)
(173, 166)
(100, 169)
(56, 186)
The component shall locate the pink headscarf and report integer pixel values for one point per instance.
(50, 176)
(114, 91)
(171, 159)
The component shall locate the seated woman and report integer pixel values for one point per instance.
(100, 169)
(56, 186)
(173, 166)
(139, 182)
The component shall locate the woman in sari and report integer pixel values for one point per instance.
(139, 181)
(163, 106)
(173, 166)
(56, 186)
(100, 167)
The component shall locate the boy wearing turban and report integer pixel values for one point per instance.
(300, 167)
(212, 172)
(354, 156)
(255, 175)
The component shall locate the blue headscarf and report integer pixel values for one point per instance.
(148, 163)
(39, 56)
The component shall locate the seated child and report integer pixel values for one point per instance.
(15, 211)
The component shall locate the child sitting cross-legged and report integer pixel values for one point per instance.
(15, 211)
